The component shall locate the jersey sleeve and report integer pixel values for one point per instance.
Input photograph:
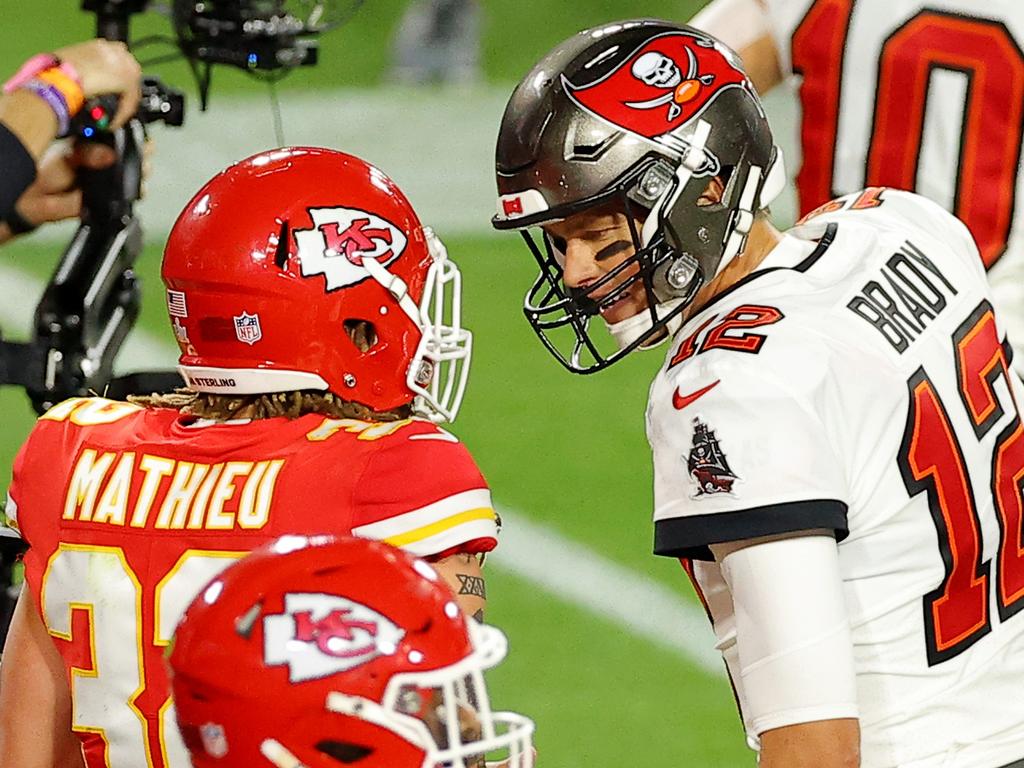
(32, 464)
(741, 454)
(423, 492)
(784, 17)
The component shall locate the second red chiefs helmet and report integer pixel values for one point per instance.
(307, 268)
(323, 653)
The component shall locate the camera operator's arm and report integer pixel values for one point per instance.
(39, 101)
(54, 195)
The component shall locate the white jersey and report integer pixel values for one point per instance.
(918, 95)
(859, 381)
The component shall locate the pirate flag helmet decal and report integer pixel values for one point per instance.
(663, 85)
(642, 114)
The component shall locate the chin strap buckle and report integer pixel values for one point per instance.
(744, 222)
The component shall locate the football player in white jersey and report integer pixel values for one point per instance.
(927, 96)
(838, 450)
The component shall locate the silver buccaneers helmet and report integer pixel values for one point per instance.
(642, 112)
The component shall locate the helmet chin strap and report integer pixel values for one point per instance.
(279, 755)
(626, 332)
(750, 203)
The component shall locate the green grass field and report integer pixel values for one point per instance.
(565, 451)
(570, 452)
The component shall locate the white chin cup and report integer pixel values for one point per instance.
(626, 332)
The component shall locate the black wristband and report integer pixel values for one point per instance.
(17, 171)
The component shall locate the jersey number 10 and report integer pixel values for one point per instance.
(983, 50)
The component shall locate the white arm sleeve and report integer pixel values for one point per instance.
(737, 23)
(792, 632)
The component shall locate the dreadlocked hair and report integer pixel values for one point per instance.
(291, 405)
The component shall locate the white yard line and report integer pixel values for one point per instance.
(560, 566)
(582, 577)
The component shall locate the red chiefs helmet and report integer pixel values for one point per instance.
(306, 268)
(326, 652)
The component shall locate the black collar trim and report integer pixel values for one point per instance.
(823, 245)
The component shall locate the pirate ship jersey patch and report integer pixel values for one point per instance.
(709, 470)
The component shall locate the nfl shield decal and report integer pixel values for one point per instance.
(665, 83)
(341, 239)
(708, 467)
(319, 635)
(214, 740)
(247, 328)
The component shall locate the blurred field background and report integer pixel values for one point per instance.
(610, 654)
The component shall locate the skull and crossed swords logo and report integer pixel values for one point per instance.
(659, 71)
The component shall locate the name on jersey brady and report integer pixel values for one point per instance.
(908, 293)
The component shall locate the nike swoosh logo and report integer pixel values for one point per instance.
(680, 401)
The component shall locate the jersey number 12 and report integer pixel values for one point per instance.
(931, 460)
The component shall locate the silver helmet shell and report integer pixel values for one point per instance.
(646, 111)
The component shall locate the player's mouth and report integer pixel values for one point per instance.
(612, 303)
(616, 305)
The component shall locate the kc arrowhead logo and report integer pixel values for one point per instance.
(319, 635)
(339, 241)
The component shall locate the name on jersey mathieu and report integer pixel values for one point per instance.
(123, 488)
(215, 497)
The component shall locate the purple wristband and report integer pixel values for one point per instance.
(52, 96)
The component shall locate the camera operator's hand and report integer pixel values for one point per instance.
(105, 66)
(54, 195)
(39, 101)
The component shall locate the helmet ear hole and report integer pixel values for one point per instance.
(342, 751)
(362, 333)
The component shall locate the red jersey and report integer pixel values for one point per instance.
(129, 511)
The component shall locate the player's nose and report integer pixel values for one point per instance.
(580, 266)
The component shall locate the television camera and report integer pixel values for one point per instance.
(92, 299)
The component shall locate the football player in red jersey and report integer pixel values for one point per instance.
(320, 339)
(324, 652)
(837, 441)
(909, 94)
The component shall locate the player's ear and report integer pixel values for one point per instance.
(713, 192)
